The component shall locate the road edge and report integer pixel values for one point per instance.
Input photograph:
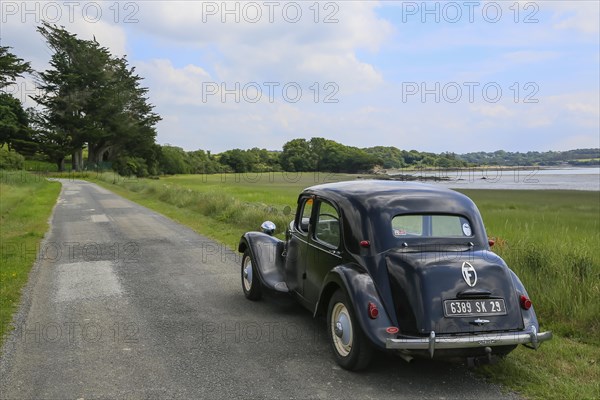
(10, 339)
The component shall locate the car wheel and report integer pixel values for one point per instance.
(250, 281)
(350, 346)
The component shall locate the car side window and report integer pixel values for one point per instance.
(327, 228)
(304, 219)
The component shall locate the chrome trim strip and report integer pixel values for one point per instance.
(332, 251)
(301, 239)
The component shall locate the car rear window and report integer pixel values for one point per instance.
(428, 225)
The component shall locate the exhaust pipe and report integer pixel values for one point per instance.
(473, 362)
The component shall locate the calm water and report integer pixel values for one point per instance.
(525, 178)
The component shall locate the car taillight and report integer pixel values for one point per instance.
(373, 311)
(525, 302)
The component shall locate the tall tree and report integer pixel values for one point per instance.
(14, 124)
(296, 156)
(324, 155)
(66, 89)
(11, 67)
(94, 99)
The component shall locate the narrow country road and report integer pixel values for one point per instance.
(125, 303)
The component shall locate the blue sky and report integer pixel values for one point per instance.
(465, 76)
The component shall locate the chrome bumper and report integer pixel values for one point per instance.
(433, 343)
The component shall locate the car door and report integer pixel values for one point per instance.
(297, 246)
(324, 249)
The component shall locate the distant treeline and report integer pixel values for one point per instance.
(319, 154)
(300, 155)
(580, 157)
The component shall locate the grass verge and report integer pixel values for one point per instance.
(550, 239)
(26, 202)
(561, 369)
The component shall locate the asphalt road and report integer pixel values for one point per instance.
(125, 303)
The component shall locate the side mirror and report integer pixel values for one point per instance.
(268, 227)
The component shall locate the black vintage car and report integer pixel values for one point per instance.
(396, 266)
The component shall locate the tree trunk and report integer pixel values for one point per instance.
(60, 163)
(91, 155)
(96, 153)
(74, 165)
(77, 160)
(100, 153)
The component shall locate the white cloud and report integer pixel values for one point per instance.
(19, 23)
(529, 56)
(580, 16)
(346, 70)
(171, 86)
(19, 29)
(494, 111)
(582, 109)
(303, 53)
(349, 24)
(578, 111)
(111, 36)
(278, 51)
(576, 142)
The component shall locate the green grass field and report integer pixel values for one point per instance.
(550, 239)
(26, 202)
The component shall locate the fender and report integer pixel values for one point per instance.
(267, 254)
(360, 290)
(529, 316)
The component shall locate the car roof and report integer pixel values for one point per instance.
(377, 193)
(368, 206)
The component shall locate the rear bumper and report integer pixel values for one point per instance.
(433, 343)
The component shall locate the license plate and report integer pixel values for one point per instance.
(461, 308)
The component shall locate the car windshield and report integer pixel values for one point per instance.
(428, 225)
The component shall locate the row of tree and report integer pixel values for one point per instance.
(301, 155)
(393, 158)
(319, 154)
(89, 99)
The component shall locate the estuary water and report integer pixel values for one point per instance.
(523, 178)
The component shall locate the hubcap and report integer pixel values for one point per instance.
(341, 329)
(247, 274)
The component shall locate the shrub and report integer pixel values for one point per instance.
(10, 159)
(128, 166)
